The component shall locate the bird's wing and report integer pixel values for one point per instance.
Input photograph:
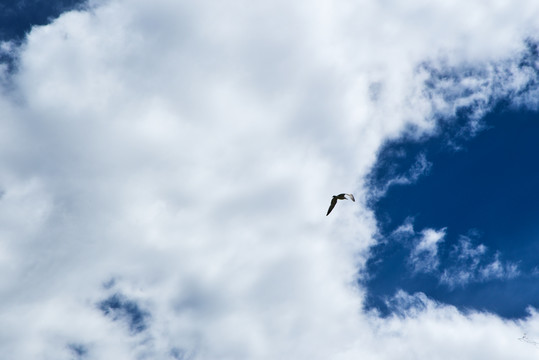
(332, 205)
(352, 197)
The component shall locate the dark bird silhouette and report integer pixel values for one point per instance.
(339, 197)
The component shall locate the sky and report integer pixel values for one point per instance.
(166, 169)
(486, 247)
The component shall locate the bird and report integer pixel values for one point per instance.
(339, 197)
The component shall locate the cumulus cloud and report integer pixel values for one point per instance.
(432, 329)
(188, 151)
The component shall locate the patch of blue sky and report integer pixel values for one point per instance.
(482, 192)
(119, 308)
(18, 17)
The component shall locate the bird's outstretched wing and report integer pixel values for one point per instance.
(332, 205)
(351, 196)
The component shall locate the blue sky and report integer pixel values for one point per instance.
(19, 16)
(482, 189)
(166, 168)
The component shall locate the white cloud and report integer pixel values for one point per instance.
(189, 151)
(420, 167)
(473, 264)
(466, 263)
(406, 230)
(424, 256)
(427, 329)
(497, 270)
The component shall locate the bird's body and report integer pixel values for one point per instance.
(339, 197)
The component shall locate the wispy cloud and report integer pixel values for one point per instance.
(424, 256)
(420, 167)
(473, 264)
(466, 263)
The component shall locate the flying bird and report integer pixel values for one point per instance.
(339, 197)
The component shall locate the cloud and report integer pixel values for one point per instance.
(406, 230)
(472, 264)
(379, 187)
(79, 351)
(430, 329)
(189, 152)
(465, 263)
(476, 89)
(424, 256)
(422, 246)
